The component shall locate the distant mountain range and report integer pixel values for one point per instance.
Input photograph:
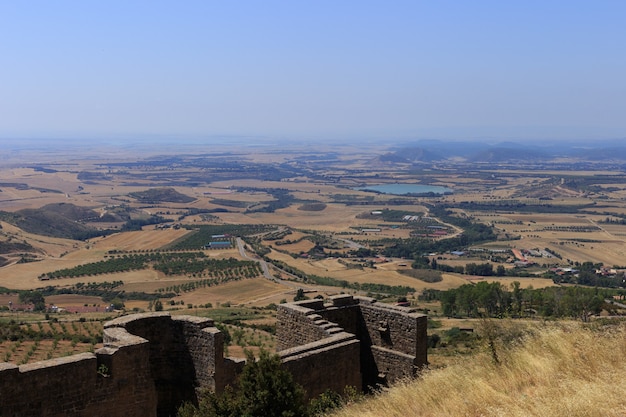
(411, 155)
(432, 151)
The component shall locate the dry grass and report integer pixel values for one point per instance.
(335, 217)
(65, 300)
(383, 274)
(560, 369)
(140, 240)
(302, 246)
(239, 292)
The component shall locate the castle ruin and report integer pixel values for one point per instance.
(153, 362)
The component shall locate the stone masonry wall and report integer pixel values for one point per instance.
(186, 355)
(171, 364)
(72, 386)
(296, 324)
(329, 364)
(153, 362)
(392, 340)
(344, 310)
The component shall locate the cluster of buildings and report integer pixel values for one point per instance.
(30, 307)
(521, 256)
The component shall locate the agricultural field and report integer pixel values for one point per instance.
(135, 231)
(30, 337)
(24, 342)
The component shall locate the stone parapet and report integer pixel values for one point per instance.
(392, 339)
(328, 364)
(297, 324)
(152, 362)
(72, 386)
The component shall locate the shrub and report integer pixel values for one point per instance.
(264, 388)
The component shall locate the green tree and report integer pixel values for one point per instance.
(517, 299)
(300, 295)
(421, 262)
(264, 388)
(34, 297)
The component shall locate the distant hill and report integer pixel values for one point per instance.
(509, 154)
(71, 211)
(7, 247)
(410, 155)
(55, 220)
(503, 151)
(160, 195)
(444, 150)
(599, 154)
(23, 186)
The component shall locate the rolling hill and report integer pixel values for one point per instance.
(160, 195)
(54, 220)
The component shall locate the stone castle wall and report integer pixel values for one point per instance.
(153, 362)
(329, 364)
(185, 355)
(392, 340)
(150, 364)
(72, 387)
(319, 353)
(395, 342)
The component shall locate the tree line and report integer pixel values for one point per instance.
(179, 263)
(473, 233)
(496, 300)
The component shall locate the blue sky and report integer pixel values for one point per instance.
(306, 69)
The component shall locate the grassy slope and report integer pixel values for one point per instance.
(560, 369)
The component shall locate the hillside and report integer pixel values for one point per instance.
(8, 246)
(410, 155)
(547, 369)
(160, 195)
(497, 155)
(55, 220)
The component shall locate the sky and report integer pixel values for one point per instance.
(306, 69)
